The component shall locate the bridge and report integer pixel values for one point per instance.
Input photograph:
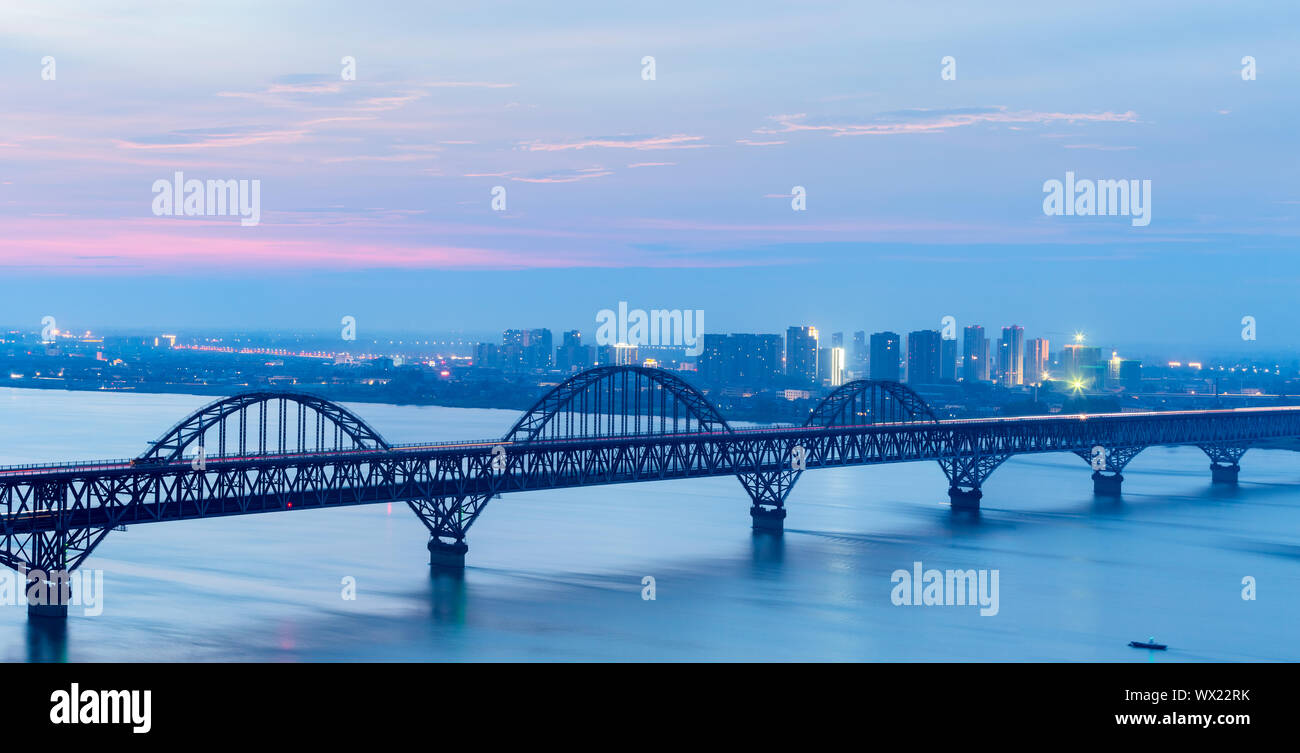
(279, 451)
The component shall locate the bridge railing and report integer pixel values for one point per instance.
(31, 468)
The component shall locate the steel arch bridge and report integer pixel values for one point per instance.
(317, 425)
(260, 452)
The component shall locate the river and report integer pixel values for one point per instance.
(560, 575)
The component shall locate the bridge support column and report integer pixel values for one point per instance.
(768, 519)
(1224, 474)
(48, 611)
(1107, 464)
(444, 556)
(1223, 461)
(47, 594)
(1107, 484)
(448, 518)
(767, 490)
(965, 476)
(964, 499)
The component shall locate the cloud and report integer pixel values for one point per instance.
(1099, 147)
(466, 85)
(568, 176)
(676, 141)
(936, 121)
(212, 138)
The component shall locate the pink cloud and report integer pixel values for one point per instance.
(677, 141)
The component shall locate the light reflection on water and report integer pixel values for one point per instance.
(557, 574)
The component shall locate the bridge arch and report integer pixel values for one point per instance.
(870, 401)
(265, 423)
(862, 401)
(611, 401)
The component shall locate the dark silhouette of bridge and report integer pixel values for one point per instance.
(261, 452)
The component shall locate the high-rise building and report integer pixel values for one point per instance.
(886, 349)
(1036, 361)
(713, 366)
(523, 349)
(837, 366)
(859, 363)
(488, 356)
(625, 355)
(974, 365)
(539, 350)
(1130, 375)
(948, 360)
(1079, 363)
(512, 349)
(801, 354)
(573, 355)
(923, 356)
(741, 360)
(765, 359)
(1011, 356)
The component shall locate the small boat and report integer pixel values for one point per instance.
(1150, 643)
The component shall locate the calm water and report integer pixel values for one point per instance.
(556, 575)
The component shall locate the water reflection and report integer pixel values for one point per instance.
(767, 552)
(448, 596)
(47, 640)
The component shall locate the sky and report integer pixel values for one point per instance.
(923, 194)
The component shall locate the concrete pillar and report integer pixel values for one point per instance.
(48, 611)
(963, 499)
(1106, 484)
(443, 556)
(1224, 474)
(768, 520)
(48, 595)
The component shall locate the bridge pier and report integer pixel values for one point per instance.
(1107, 464)
(964, 499)
(1107, 484)
(48, 611)
(444, 556)
(1223, 461)
(1224, 474)
(966, 474)
(769, 520)
(47, 594)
